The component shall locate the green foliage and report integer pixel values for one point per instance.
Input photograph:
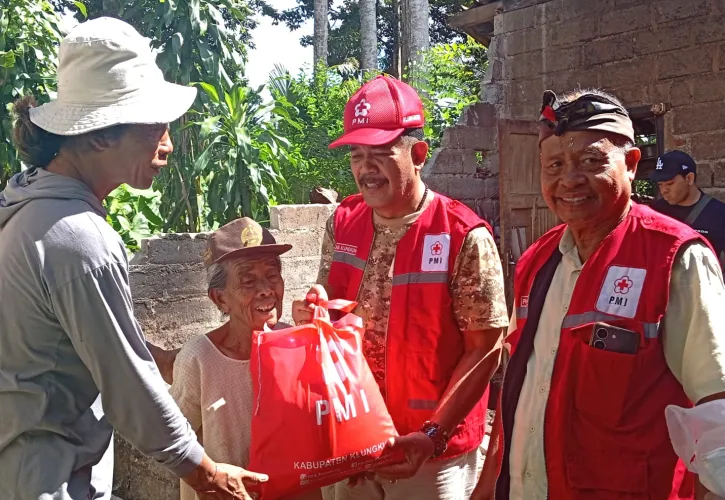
(449, 79)
(200, 40)
(133, 213)
(234, 154)
(187, 31)
(317, 102)
(236, 169)
(206, 41)
(29, 37)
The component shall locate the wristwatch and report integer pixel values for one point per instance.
(438, 435)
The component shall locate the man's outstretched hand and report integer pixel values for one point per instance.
(216, 481)
(417, 447)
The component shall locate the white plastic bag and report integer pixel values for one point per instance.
(698, 437)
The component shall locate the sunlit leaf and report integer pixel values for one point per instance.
(210, 91)
(123, 222)
(203, 160)
(152, 216)
(7, 59)
(177, 41)
(209, 126)
(81, 7)
(195, 17)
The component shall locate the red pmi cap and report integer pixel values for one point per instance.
(379, 112)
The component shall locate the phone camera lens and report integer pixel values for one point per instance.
(602, 333)
(599, 344)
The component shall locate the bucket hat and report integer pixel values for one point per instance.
(107, 75)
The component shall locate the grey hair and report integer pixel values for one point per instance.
(216, 276)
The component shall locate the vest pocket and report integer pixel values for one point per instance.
(602, 384)
(597, 475)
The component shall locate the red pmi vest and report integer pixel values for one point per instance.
(605, 435)
(423, 341)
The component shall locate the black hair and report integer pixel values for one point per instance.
(37, 147)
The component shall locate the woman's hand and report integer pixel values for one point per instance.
(303, 310)
(214, 481)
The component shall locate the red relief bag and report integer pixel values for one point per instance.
(319, 416)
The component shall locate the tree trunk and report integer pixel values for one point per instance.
(368, 35)
(395, 59)
(414, 28)
(404, 40)
(320, 32)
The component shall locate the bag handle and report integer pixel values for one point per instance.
(323, 306)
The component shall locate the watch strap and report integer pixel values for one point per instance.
(438, 435)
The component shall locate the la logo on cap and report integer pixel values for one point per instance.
(659, 164)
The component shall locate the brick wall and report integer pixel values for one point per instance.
(644, 51)
(466, 165)
(169, 289)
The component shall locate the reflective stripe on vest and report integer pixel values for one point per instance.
(650, 329)
(416, 278)
(422, 404)
(350, 259)
(522, 312)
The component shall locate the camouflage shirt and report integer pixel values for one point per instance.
(476, 284)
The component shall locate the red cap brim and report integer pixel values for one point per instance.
(367, 137)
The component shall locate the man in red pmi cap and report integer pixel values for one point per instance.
(427, 278)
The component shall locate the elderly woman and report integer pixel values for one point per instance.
(73, 361)
(212, 381)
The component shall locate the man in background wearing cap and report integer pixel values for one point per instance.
(598, 346)
(676, 176)
(427, 278)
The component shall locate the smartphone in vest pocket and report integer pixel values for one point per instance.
(612, 338)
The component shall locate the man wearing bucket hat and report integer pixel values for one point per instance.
(73, 361)
(676, 175)
(618, 314)
(426, 274)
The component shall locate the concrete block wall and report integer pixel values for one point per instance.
(465, 167)
(168, 282)
(644, 51)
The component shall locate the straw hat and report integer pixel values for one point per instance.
(107, 75)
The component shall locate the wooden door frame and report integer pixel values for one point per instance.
(506, 128)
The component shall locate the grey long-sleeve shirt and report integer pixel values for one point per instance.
(73, 360)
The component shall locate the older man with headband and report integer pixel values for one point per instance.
(617, 315)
